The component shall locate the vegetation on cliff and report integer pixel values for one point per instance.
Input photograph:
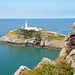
(61, 68)
(19, 33)
(25, 33)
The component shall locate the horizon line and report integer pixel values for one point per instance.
(38, 18)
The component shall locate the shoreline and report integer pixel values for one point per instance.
(25, 44)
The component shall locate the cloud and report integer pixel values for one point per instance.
(30, 11)
(36, 13)
(36, 10)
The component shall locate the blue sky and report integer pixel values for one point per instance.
(37, 8)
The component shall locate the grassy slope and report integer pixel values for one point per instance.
(62, 68)
(24, 34)
(21, 34)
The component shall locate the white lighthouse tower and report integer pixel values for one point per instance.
(26, 24)
(31, 28)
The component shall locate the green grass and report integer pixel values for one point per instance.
(62, 68)
(58, 37)
(26, 33)
(31, 33)
(61, 36)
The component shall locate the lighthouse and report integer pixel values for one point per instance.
(31, 28)
(26, 24)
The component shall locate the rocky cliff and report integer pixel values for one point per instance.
(72, 32)
(41, 38)
(69, 50)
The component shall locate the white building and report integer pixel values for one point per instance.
(31, 28)
(22, 27)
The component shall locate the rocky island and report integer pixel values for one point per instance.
(41, 38)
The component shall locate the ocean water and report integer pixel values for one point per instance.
(62, 26)
(12, 57)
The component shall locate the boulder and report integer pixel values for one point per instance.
(73, 65)
(72, 32)
(63, 52)
(46, 61)
(21, 70)
(71, 58)
(31, 40)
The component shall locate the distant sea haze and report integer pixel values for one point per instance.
(62, 26)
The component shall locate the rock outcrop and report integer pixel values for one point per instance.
(71, 58)
(63, 52)
(22, 69)
(69, 50)
(46, 61)
(72, 32)
(41, 38)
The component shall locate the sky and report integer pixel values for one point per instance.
(37, 8)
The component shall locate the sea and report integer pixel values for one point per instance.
(12, 57)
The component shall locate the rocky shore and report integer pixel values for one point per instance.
(63, 65)
(42, 38)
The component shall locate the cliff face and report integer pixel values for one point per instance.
(72, 32)
(69, 50)
(52, 40)
(41, 38)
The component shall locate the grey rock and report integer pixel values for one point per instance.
(72, 32)
(62, 53)
(73, 65)
(21, 69)
(71, 58)
(46, 61)
(32, 41)
(7, 39)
